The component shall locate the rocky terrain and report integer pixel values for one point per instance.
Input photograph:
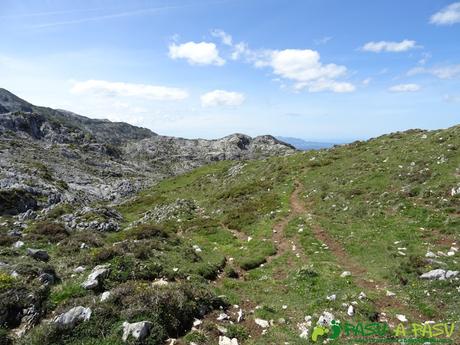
(48, 156)
(157, 240)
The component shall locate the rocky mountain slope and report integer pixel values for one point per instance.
(49, 155)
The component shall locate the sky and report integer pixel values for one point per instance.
(323, 70)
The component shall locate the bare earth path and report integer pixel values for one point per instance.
(283, 244)
(359, 273)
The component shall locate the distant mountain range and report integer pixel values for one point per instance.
(301, 144)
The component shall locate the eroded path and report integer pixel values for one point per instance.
(284, 244)
(383, 302)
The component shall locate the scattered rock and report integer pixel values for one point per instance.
(79, 269)
(438, 274)
(304, 327)
(362, 295)
(223, 340)
(331, 297)
(38, 254)
(239, 316)
(262, 323)
(222, 317)
(138, 330)
(29, 214)
(95, 277)
(430, 254)
(160, 282)
(18, 244)
(401, 317)
(455, 191)
(72, 317)
(46, 278)
(345, 274)
(105, 296)
(351, 310)
(325, 319)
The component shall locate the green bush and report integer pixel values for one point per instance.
(237, 331)
(6, 281)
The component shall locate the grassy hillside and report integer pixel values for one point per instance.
(269, 237)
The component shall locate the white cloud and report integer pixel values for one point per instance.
(394, 47)
(222, 98)
(366, 81)
(202, 53)
(306, 70)
(447, 16)
(107, 88)
(224, 37)
(443, 72)
(405, 88)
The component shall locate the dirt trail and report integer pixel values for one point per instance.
(383, 302)
(284, 245)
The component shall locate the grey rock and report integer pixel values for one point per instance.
(38, 254)
(95, 277)
(72, 317)
(439, 274)
(223, 340)
(28, 215)
(18, 244)
(15, 233)
(46, 278)
(138, 330)
(105, 296)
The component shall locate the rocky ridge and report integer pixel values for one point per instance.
(49, 156)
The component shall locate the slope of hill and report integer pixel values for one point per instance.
(49, 156)
(256, 251)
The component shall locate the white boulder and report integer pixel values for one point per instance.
(262, 323)
(138, 330)
(95, 277)
(223, 340)
(75, 315)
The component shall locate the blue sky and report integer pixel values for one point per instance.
(319, 70)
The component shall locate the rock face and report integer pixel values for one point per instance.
(137, 330)
(72, 317)
(61, 156)
(95, 277)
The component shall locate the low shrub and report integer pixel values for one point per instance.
(237, 331)
(53, 232)
(147, 231)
